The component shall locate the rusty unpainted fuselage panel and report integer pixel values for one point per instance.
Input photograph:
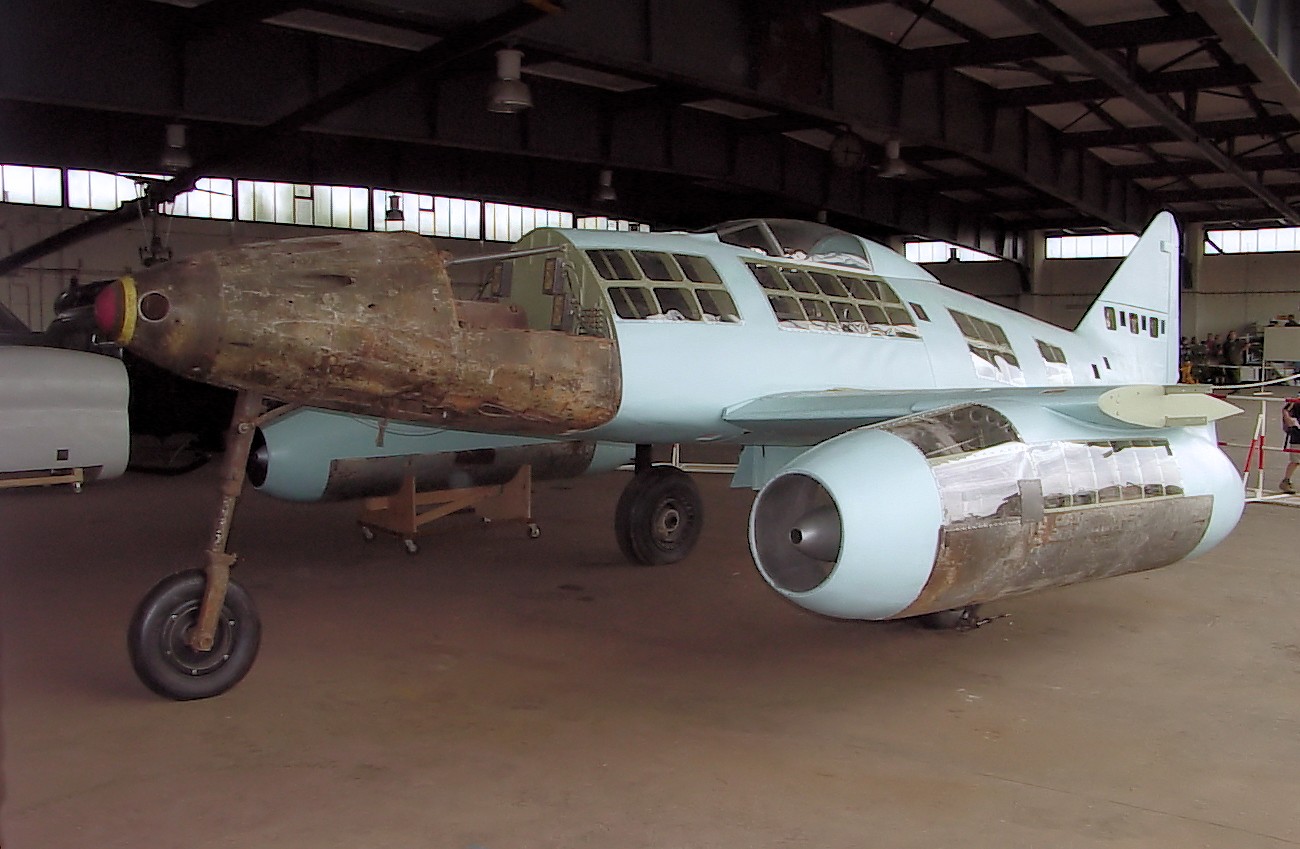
(369, 323)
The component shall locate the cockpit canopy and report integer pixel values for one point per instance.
(794, 239)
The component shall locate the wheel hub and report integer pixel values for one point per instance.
(668, 523)
(176, 641)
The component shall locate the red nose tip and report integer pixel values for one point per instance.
(110, 309)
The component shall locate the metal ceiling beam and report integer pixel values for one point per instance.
(1205, 129)
(1163, 30)
(1103, 68)
(460, 43)
(1192, 167)
(1222, 193)
(1170, 81)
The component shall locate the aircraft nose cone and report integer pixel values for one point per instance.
(111, 311)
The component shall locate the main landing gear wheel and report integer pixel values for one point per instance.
(158, 639)
(659, 516)
(957, 619)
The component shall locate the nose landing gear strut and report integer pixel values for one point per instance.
(196, 633)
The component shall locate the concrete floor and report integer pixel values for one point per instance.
(496, 692)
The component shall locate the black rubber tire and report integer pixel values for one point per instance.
(950, 620)
(163, 660)
(659, 516)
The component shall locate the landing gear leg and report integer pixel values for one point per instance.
(659, 516)
(196, 633)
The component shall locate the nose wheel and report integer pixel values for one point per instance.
(659, 516)
(196, 633)
(159, 639)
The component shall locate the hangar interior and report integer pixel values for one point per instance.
(500, 691)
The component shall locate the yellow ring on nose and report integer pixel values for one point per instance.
(130, 307)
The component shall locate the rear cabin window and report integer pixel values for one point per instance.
(803, 299)
(659, 286)
(991, 351)
(1058, 371)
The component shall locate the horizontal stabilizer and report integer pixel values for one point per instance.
(1164, 406)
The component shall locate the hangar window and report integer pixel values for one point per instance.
(818, 300)
(1133, 322)
(991, 351)
(927, 252)
(344, 207)
(100, 190)
(507, 222)
(603, 222)
(29, 184)
(703, 299)
(1110, 318)
(429, 215)
(1155, 329)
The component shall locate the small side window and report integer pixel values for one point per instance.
(919, 310)
(677, 302)
(1155, 329)
(613, 265)
(768, 278)
(829, 284)
(656, 266)
(1110, 318)
(1095, 372)
(697, 269)
(786, 308)
(860, 289)
(1144, 322)
(632, 302)
(799, 281)
(717, 305)
(818, 311)
(1133, 322)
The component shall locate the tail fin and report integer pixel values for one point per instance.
(1134, 321)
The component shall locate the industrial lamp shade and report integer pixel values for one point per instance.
(509, 94)
(605, 187)
(394, 212)
(175, 155)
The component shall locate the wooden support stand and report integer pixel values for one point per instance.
(408, 511)
(75, 477)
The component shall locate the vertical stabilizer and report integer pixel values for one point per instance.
(1134, 321)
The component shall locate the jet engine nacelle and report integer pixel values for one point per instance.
(975, 503)
(318, 455)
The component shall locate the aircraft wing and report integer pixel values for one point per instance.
(805, 418)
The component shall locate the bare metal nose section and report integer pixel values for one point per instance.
(367, 323)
